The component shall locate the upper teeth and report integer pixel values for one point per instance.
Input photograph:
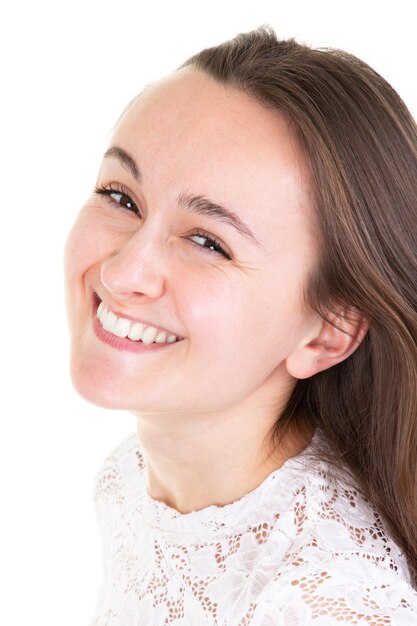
(122, 327)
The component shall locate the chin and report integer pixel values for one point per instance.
(96, 385)
(99, 394)
(109, 392)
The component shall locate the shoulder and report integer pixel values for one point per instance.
(331, 516)
(338, 590)
(341, 564)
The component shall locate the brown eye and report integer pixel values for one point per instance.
(118, 197)
(123, 200)
(209, 243)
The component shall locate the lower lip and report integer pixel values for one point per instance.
(124, 344)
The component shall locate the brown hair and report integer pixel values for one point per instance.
(361, 145)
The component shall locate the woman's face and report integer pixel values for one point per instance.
(185, 147)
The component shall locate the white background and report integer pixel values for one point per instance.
(67, 71)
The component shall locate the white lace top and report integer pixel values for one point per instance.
(300, 549)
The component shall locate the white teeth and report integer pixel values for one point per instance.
(109, 320)
(149, 335)
(122, 327)
(100, 310)
(136, 331)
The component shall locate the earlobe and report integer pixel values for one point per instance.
(335, 341)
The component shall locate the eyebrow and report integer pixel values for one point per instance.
(195, 203)
(125, 161)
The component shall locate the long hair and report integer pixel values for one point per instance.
(360, 142)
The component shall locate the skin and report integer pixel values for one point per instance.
(205, 404)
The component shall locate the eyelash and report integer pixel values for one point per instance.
(118, 189)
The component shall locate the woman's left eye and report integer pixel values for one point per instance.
(118, 197)
(210, 244)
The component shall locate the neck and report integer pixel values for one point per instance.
(210, 459)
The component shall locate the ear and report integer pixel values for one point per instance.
(328, 345)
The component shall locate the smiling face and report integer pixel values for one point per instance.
(187, 149)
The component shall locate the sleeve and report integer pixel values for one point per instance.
(354, 592)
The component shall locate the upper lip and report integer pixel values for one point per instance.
(134, 319)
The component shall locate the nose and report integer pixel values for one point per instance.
(135, 268)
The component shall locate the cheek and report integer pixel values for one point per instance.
(207, 300)
(221, 313)
(84, 246)
(77, 244)
(238, 321)
(90, 241)
(72, 263)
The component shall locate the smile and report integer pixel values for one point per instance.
(136, 331)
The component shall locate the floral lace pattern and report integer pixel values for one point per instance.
(300, 549)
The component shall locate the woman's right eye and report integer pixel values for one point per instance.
(118, 197)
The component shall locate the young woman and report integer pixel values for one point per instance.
(242, 280)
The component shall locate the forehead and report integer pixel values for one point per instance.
(189, 105)
(189, 131)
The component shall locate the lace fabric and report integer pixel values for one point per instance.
(300, 549)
